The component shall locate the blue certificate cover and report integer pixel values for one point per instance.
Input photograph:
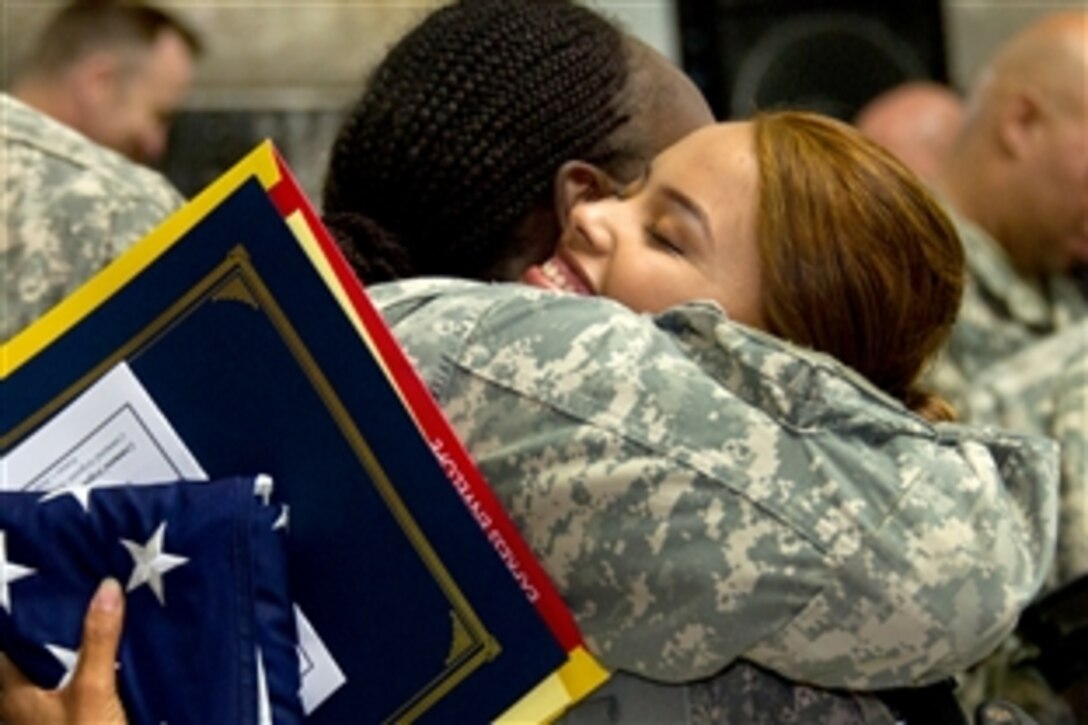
(241, 341)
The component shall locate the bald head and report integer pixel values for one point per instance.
(1050, 55)
(1020, 167)
(916, 121)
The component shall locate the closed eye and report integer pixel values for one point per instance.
(662, 241)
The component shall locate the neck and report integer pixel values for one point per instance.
(48, 96)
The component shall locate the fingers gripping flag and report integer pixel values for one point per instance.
(209, 625)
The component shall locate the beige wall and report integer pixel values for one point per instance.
(263, 53)
(275, 54)
(976, 27)
(308, 54)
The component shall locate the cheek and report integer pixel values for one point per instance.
(650, 282)
(127, 117)
(744, 302)
(1069, 173)
(1070, 192)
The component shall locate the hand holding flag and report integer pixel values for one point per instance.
(91, 695)
(211, 634)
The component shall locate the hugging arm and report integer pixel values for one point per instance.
(701, 492)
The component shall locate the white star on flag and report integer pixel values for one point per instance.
(282, 520)
(262, 487)
(9, 574)
(81, 493)
(67, 659)
(151, 562)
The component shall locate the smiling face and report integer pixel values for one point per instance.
(795, 224)
(662, 106)
(685, 231)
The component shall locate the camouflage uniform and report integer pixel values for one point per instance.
(1002, 314)
(701, 492)
(69, 207)
(993, 375)
(1070, 428)
(741, 694)
(1044, 391)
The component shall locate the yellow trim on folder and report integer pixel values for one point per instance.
(580, 675)
(296, 222)
(261, 163)
(583, 673)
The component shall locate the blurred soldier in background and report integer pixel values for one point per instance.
(1016, 183)
(114, 71)
(917, 121)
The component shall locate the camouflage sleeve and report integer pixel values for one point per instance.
(954, 499)
(750, 695)
(696, 504)
(1002, 317)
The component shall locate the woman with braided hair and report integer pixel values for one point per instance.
(603, 441)
(572, 418)
(704, 496)
(453, 148)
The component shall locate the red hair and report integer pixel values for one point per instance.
(859, 261)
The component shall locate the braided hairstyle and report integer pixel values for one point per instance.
(461, 129)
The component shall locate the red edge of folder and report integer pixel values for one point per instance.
(288, 198)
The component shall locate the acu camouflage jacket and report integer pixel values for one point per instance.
(701, 492)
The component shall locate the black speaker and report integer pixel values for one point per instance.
(830, 56)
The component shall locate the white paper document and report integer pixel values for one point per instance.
(321, 676)
(112, 433)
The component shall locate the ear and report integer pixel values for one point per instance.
(1019, 122)
(96, 78)
(578, 181)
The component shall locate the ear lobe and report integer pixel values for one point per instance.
(578, 181)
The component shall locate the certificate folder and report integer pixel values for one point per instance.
(245, 326)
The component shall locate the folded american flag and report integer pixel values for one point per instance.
(209, 632)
